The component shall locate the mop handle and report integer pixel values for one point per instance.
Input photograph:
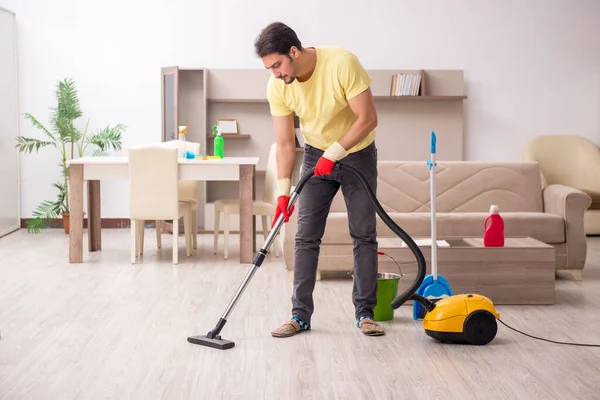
(432, 165)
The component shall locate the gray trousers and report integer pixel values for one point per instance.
(313, 206)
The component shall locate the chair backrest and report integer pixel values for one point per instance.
(188, 190)
(461, 186)
(271, 175)
(190, 146)
(153, 180)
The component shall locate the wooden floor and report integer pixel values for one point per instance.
(107, 329)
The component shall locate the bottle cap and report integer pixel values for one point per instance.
(494, 209)
(183, 130)
(216, 130)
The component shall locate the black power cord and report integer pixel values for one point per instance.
(548, 340)
(410, 293)
(381, 253)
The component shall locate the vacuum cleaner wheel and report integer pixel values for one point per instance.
(480, 327)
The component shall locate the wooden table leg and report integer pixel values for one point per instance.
(76, 214)
(94, 216)
(247, 219)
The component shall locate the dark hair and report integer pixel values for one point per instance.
(278, 38)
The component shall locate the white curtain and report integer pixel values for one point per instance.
(10, 218)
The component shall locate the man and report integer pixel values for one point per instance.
(329, 91)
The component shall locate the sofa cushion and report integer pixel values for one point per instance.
(545, 227)
(461, 186)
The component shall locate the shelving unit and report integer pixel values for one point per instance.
(197, 97)
(214, 100)
(418, 98)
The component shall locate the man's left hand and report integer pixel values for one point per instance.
(333, 153)
(324, 166)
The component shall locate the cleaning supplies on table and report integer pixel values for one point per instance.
(182, 153)
(218, 142)
(494, 232)
(205, 157)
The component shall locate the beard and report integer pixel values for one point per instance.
(289, 79)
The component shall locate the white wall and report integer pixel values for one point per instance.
(542, 75)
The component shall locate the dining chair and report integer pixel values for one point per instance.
(264, 207)
(188, 192)
(153, 186)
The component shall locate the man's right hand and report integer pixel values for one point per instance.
(282, 203)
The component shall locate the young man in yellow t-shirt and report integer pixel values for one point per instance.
(329, 91)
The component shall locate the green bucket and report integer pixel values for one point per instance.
(387, 289)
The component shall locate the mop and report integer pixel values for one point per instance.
(434, 287)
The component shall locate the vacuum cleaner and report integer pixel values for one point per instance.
(463, 319)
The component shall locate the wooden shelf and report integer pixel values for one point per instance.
(418, 98)
(198, 97)
(394, 98)
(213, 100)
(232, 136)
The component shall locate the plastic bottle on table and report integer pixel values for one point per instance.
(182, 153)
(219, 142)
(494, 232)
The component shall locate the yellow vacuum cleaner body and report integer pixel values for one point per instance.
(462, 319)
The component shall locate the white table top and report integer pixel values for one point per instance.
(123, 159)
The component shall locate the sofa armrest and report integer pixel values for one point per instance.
(570, 204)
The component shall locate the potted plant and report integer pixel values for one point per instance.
(70, 142)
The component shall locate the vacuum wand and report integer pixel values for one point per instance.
(213, 337)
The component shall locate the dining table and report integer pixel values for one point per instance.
(95, 169)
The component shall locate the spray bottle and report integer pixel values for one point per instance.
(182, 153)
(219, 142)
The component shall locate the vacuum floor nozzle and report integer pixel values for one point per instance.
(216, 343)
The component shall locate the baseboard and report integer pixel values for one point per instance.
(110, 223)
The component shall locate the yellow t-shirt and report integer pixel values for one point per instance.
(321, 102)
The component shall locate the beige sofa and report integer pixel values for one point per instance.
(465, 191)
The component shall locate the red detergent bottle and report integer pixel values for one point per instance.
(494, 232)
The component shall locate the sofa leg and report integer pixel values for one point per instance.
(574, 274)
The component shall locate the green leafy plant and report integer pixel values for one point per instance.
(65, 136)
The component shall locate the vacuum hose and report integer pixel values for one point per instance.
(411, 292)
(213, 337)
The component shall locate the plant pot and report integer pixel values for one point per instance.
(67, 221)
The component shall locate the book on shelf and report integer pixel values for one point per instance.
(406, 84)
